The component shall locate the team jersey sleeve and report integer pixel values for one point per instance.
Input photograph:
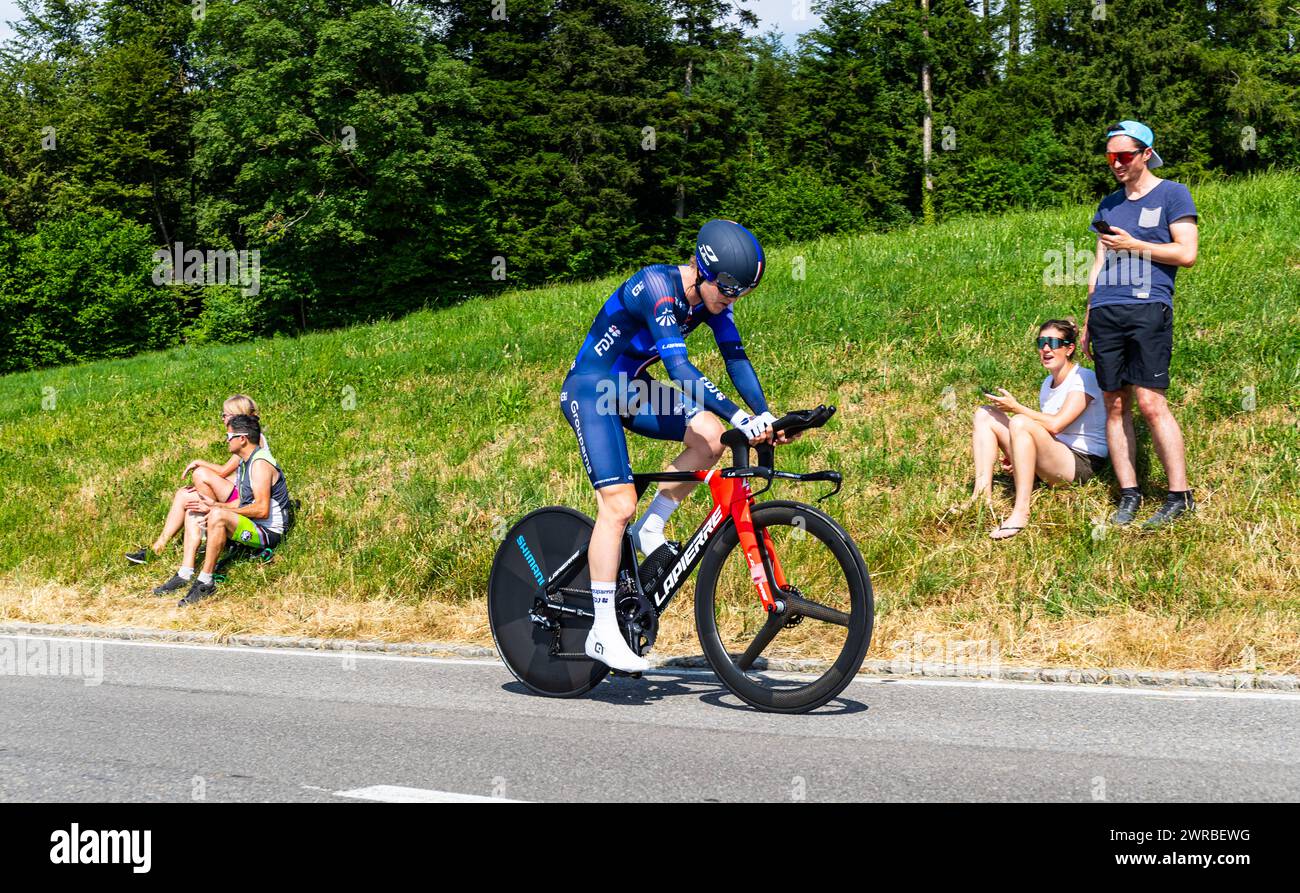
(739, 369)
(655, 306)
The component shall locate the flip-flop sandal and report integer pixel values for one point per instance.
(1002, 527)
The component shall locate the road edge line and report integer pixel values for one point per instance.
(1110, 676)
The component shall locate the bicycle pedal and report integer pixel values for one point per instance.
(636, 675)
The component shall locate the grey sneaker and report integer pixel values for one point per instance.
(1129, 503)
(198, 592)
(175, 583)
(1175, 507)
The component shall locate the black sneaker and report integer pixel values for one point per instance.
(176, 582)
(140, 556)
(1129, 503)
(198, 592)
(1175, 507)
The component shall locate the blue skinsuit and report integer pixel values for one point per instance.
(645, 320)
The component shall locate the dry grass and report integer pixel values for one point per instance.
(1127, 639)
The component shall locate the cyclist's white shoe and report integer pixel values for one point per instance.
(605, 643)
(611, 650)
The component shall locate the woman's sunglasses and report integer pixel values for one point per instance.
(1053, 343)
(1124, 157)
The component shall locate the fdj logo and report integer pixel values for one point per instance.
(532, 562)
(708, 254)
(607, 341)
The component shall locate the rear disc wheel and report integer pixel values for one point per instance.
(535, 548)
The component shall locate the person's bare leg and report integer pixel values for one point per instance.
(1166, 434)
(192, 538)
(212, 485)
(1034, 453)
(1056, 463)
(990, 435)
(206, 483)
(221, 523)
(1024, 459)
(175, 520)
(615, 507)
(1121, 436)
(702, 447)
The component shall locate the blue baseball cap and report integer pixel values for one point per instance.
(1140, 132)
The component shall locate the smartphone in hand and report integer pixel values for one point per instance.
(1104, 228)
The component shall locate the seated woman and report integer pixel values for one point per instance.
(216, 482)
(1063, 443)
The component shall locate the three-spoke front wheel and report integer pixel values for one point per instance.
(797, 660)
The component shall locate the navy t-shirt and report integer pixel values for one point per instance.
(1133, 278)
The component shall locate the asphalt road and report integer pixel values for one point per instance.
(167, 722)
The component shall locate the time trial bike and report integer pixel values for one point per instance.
(783, 601)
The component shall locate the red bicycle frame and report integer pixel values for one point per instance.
(731, 496)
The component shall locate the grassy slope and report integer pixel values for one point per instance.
(456, 429)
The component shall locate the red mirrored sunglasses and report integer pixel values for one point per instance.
(1124, 157)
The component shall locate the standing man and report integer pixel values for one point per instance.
(1146, 230)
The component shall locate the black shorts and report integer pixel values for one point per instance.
(270, 539)
(1086, 465)
(1132, 344)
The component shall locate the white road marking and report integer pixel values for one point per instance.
(264, 649)
(1040, 687)
(1173, 692)
(391, 793)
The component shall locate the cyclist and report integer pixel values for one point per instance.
(647, 319)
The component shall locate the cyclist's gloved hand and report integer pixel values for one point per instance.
(753, 426)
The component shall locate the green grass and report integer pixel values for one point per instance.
(456, 430)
